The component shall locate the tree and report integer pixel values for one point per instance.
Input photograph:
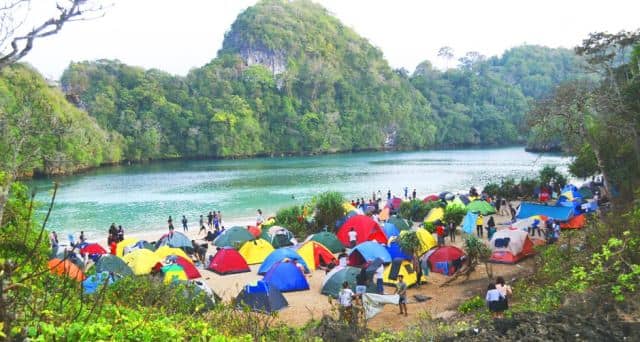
(15, 44)
(446, 53)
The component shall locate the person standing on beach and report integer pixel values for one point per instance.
(120, 233)
(406, 192)
(210, 219)
(220, 218)
(82, 239)
(259, 218)
(53, 239)
(171, 227)
(184, 224)
(388, 194)
(345, 296)
(379, 279)
(353, 237)
(201, 222)
(451, 231)
(413, 194)
(401, 290)
(479, 226)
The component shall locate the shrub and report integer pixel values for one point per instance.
(492, 189)
(429, 226)
(454, 214)
(471, 304)
(328, 209)
(527, 187)
(549, 174)
(416, 210)
(293, 219)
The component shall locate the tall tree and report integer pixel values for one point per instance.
(446, 53)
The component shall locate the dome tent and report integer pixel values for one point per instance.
(261, 297)
(328, 240)
(279, 255)
(287, 277)
(366, 228)
(228, 261)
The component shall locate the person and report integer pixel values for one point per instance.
(342, 259)
(504, 289)
(406, 192)
(361, 283)
(440, 234)
(401, 290)
(203, 229)
(120, 233)
(201, 222)
(345, 296)
(184, 224)
(413, 194)
(210, 219)
(388, 194)
(379, 278)
(53, 239)
(82, 238)
(534, 226)
(479, 227)
(495, 301)
(555, 235)
(170, 223)
(216, 221)
(220, 217)
(353, 237)
(451, 231)
(504, 207)
(113, 233)
(200, 251)
(113, 246)
(491, 228)
(259, 218)
(353, 203)
(513, 213)
(373, 195)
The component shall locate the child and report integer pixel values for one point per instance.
(401, 290)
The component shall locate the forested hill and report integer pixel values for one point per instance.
(291, 78)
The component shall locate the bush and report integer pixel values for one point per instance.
(549, 174)
(527, 187)
(293, 219)
(454, 214)
(328, 209)
(429, 226)
(508, 189)
(471, 304)
(492, 189)
(416, 210)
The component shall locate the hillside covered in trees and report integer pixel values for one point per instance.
(292, 79)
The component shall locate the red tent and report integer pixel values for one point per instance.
(395, 203)
(366, 228)
(255, 231)
(431, 198)
(93, 248)
(189, 268)
(447, 254)
(575, 222)
(227, 260)
(510, 246)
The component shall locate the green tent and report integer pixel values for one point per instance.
(334, 280)
(277, 236)
(233, 237)
(113, 264)
(401, 224)
(457, 202)
(482, 207)
(329, 240)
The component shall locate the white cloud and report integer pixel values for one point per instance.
(176, 36)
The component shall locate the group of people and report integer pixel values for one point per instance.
(347, 297)
(497, 297)
(116, 234)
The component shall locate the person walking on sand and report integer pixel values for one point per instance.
(345, 296)
(184, 224)
(451, 231)
(401, 290)
(479, 227)
(353, 237)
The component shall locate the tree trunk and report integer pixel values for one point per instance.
(5, 185)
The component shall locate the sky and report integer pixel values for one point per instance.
(176, 36)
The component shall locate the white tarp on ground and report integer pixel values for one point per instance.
(373, 303)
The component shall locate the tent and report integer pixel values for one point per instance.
(464, 198)
(525, 223)
(329, 240)
(431, 198)
(393, 247)
(384, 214)
(456, 202)
(255, 251)
(445, 195)
(279, 255)
(366, 228)
(287, 277)
(93, 249)
(123, 244)
(569, 193)
(173, 273)
(444, 260)
(347, 207)
(469, 222)
(427, 241)
(165, 251)
(189, 268)
(390, 230)
(575, 222)
(113, 264)
(261, 298)
(394, 203)
(176, 240)
(255, 231)
(233, 237)
(315, 254)
(93, 282)
(560, 213)
(141, 261)
(585, 192)
(334, 279)
(227, 261)
(434, 215)
(368, 251)
(66, 267)
(278, 236)
(482, 207)
(400, 267)
(400, 223)
(509, 246)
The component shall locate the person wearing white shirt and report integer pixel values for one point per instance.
(345, 297)
(353, 237)
(379, 275)
(495, 300)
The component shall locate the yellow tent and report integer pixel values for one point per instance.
(124, 244)
(172, 273)
(427, 240)
(384, 214)
(410, 276)
(313, 252)
(165, 251)
(255, 251)
(347, 207)
(141, 261)
(434, 215)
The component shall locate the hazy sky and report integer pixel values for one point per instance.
(177, 36)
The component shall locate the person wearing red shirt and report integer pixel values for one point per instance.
(440, 233)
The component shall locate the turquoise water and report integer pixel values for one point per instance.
(141, 197)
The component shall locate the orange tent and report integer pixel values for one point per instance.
(255, 231)
(575, 222)
(66, 267)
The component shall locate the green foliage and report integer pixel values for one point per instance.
(328, 209)
(472, 304)
(292, 218)
(549, 174)
(416, 210)
(585, 163)
(429, 226)
(476, 250)
(455, 214)
(409, 242)
(492, 189)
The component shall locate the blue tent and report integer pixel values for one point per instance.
(560, 213)
(261, 297)
(176, 240)
(390, 230)
(368, 251)
(286, 276)
(92, 283)
(279, 255)
(396, 252)
(469, 222)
